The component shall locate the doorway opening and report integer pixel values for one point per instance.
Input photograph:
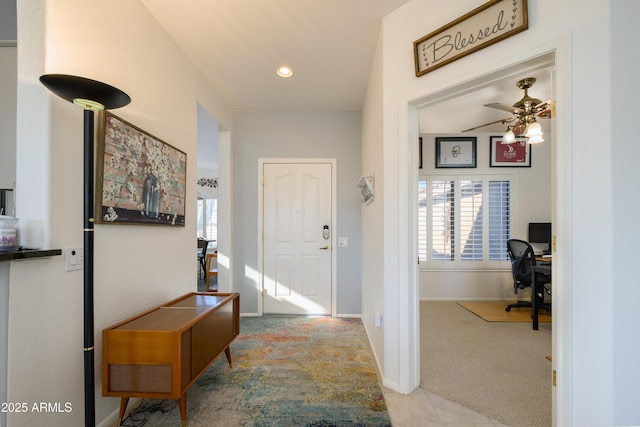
(213, 204)
(557, 55)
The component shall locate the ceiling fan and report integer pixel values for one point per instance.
(525, 113)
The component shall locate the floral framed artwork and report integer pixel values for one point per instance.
(515, 154)
(140, 179)
(456, 152)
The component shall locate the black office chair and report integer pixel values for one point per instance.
(522, 261)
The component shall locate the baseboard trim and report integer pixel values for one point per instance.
(385, 382)
(349, 316)
(112, 418)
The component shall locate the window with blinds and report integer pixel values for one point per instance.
(463, 220)
(207, 219)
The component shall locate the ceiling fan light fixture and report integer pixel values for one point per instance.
(534, 129)
(508, 137)
(536, 139)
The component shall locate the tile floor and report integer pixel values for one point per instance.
(423, 409)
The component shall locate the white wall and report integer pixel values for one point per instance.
(8, 89)
(624, 59)
(137, 267)
(296, 135)
(532, 199)
(8, 20)
(584, 33)
(372, 215)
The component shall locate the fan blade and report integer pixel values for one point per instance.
(545, 114)
(503, 121)
(543, 104)
(543, 110)
(509, 108)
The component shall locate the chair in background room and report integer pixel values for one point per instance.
(202, 252)
(523, 260)
(211, 271)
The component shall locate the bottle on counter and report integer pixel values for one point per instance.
(9, 234)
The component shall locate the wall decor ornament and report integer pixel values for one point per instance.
(208, 182)
(367, 189)
(490, 23)
(140, 179)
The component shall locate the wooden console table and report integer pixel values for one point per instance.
(158, 354)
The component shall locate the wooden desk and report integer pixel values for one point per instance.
(158, 354)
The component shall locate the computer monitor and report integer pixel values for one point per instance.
(540, 236)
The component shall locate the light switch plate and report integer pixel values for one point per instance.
(343, 241)
(73, 259)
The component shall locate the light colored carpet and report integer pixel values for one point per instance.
(288, 371)
(499, 369)
(494, 311)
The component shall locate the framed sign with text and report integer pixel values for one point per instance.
(515, 154)
(490, 23)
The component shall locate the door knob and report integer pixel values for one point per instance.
(324, 248)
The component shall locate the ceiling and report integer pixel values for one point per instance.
(239, 44)
(329, 44)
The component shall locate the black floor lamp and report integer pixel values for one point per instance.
(92, 96)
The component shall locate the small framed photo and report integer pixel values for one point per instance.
(456, 152)
(516, 154)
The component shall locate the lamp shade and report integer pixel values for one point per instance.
(90, 94)
(508, 137)
(534, 129)
(536, 139)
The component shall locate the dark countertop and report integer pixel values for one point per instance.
(29, 254)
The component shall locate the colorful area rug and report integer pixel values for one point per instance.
(287, 371)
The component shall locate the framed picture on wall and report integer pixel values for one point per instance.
(456, 152)
(140, 179)
(516, 154)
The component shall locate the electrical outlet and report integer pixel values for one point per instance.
(73, 259)
(377, 320)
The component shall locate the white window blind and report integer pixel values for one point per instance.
(442, 228)
(207, 219)
(423, 194)
(471, 220)
(464, 221)
(500, 218)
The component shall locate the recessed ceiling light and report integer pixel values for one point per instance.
(285, 72)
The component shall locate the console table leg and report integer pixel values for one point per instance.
(182, 402)
(227, 352)
(123, 408)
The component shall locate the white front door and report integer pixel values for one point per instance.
(297, 247)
